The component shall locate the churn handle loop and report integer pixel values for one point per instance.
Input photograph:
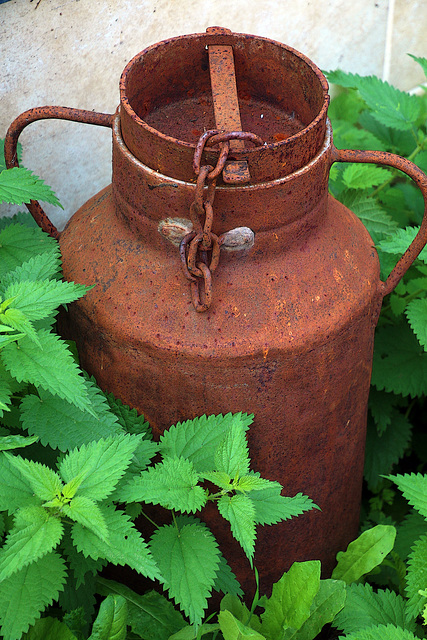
(420, 179)
(45, 113)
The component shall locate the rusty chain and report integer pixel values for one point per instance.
(200, 249)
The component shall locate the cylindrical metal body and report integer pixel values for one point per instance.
(289, 334)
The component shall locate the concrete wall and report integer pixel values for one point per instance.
(72, 52)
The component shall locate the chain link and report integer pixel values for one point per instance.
(200, 249)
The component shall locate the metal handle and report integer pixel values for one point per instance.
(420, 179)
(45, 113)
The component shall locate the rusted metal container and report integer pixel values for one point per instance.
(247, 288)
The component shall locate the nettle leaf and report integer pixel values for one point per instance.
(291, 599)
(124, 546)
(225, 580)
(35, 533)
(416, 577)
(239, 510)
(382, 452)
(271, 507)
(51, 367)
(45, 483)
(128, 418)
(253, 482)
(87, 513)
(362, 176)
(198, 439)
(25, 594)
(62, 425)
(365, 553)
(412, 527)
(400, 362)
(381, 632)
(111, 621)
(150, 615)
(414, 488)
(378, 223)
(15, 490)
(416, 312)
(328, 601)
(49, 629)
(364, 608)
(19, 243)
(99, 465)
(19, 185)
(18, 321)
(82, 568)
(40, 267)
(232, 453)
(391, 107)
(381, 406)
(171, 483)
(189, 567)
(16, 442)
(38, 299)
(421, 61)
(400, 241)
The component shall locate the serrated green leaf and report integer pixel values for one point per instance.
(198, 439)
(365, 553)
(412, 527)
(87, 513)
(171, 483)
(45, 483)
(38, 299)
(362, 176)
(400, 362)
(33, 535)
(291, 599)
(381, 632)
(421, 61)
(124, 546)
(382, 452)
(328, 601)
(17, 320)
(414, 488)
(232, 453)
(82, 597)
(233, 629)
(219, 478)
(377, 222)
(239, 510)
(40, 267)
(82, 568)
(16, 442)
(381, 406)
(99, 465)
(51, 367)
(49, 629)
(253, 483)
(271, 507)
(189, 568)
(19, 185)
(400, 241)
(128, 418)
(364, 608)
(225, 580)
(416, 312)
(111, 621)
(26, 593)
(19, 243)
(391, 107)
(15, 490)
(150, 615)
(64, 426)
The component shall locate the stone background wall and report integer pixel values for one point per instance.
(72, 52)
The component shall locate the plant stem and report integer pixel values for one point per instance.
(150, 520)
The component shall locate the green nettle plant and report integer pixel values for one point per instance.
(77, 467)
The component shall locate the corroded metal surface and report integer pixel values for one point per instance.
(289, 332)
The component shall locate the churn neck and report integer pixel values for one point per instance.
(174, 91)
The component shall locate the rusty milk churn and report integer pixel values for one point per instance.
(227, 278)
